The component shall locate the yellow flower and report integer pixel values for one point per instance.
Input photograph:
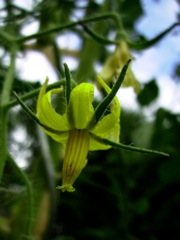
(115, 63)
(77, 129)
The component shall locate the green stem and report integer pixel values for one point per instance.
(97, 37)
(6, 91)
(112, 16)
(29, 188)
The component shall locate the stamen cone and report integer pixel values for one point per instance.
(77, 148)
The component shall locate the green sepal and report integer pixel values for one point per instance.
(27, 109)
(134, 149)
(101, 108)
(68, 83)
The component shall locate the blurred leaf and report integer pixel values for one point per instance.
(148, 94)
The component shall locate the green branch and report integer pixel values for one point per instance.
(112, 16)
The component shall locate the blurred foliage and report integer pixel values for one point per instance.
(120, 194)
(148, 94)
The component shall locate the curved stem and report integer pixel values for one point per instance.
(113, 16)
(98, 37)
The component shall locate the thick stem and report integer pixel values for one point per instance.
(6, 91)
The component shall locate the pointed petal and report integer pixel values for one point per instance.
(56, 124)
(41, 93)
(80, 109)
(109, 126)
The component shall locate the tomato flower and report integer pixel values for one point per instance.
(77, 129)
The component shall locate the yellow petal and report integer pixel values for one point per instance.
(41, 93)
(57, 125)
(75, 158)
(46, 113)
(80, 109)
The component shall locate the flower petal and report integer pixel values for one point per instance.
(108, 126)
(56, 124)
(80, 109)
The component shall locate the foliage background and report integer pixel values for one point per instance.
(120, 194)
